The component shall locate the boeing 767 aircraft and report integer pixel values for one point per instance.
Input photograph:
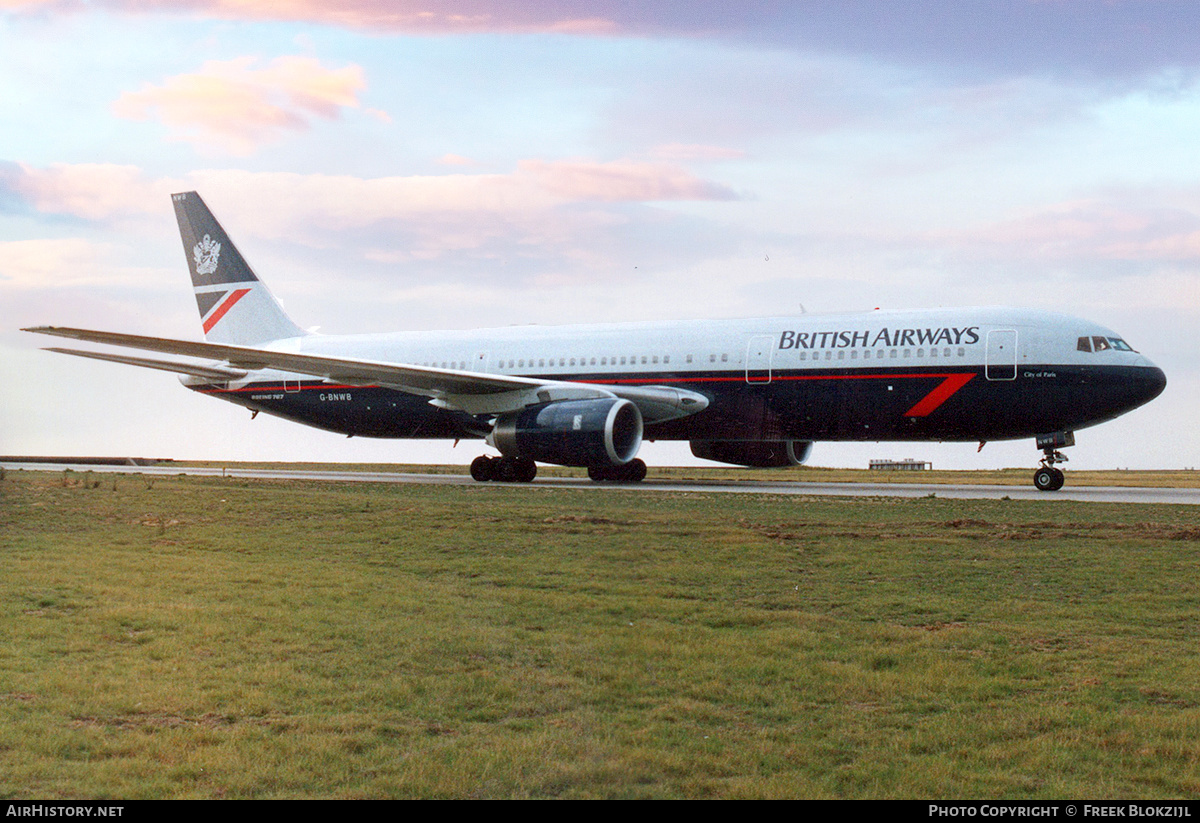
(753, 392)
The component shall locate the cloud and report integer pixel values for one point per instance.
(62, 263)
(107, 191)
(996, 37)
(92, 191)
(620, 181)
(1091, 230)
(236, 107)
(682, 152)
(569, 217)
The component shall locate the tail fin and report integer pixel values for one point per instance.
(235, 306)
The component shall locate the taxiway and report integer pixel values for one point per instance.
(1094, 494)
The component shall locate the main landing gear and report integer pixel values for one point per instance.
(632, 472)
(503, 469)
(523, 470)
(1047, 478)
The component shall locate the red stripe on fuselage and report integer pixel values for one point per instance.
(223, 307)
(939, 395)
(950, 384)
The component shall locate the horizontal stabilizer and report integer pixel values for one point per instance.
(218, 373)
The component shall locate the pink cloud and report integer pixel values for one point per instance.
(106, 191)
(234, 106)
(543, 208)
(418, 16)
(621, 180)
(692, 151)
(402, 16)
(94, 191)
(62, 263)
(1092, 230)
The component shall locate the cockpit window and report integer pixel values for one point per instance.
(1096, 343)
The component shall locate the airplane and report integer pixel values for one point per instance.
(749, 392)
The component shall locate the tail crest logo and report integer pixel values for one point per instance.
(206, 253)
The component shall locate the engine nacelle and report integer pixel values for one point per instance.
(605, 432)
(759, 454)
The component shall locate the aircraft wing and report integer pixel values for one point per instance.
(471, 392)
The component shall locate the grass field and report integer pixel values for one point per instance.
(202, 637)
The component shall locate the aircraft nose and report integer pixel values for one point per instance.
(1154, 382)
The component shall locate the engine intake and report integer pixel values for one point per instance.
(759, 454)
(605, 432)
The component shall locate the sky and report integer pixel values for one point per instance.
(418, 164)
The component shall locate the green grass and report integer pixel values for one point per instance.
(200, 637)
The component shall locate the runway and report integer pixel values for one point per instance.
(1092, 494)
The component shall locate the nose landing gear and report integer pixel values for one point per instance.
(1047, 478)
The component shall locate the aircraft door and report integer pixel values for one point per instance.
(758, 358)
(1001, 361)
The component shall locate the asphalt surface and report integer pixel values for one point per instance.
(1094, 494)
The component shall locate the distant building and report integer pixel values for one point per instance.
(907, 465)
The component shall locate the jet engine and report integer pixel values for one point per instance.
(603, 432)
(759, 454)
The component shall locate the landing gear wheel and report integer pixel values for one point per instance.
(1044, 478)
(635, 470)
(483, 468)
(1048, 479)
(632, 472)
(526, 470)
(601, 473)
(506, 469)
